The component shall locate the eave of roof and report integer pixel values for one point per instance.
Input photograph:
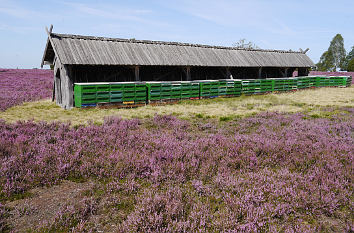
(81, 37)
(90, 50)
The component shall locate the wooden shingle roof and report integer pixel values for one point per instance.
(88, 50)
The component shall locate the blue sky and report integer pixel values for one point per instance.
(277, 24)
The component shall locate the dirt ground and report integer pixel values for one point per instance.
(44, 204)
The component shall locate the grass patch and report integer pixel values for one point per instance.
(14, 197)
(77, 179)
(199, 115)
(326, 113)
(220, 108)
(226, 118)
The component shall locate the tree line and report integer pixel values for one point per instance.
(331, 60)
(336, 57)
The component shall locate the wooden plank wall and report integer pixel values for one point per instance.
(64, 88)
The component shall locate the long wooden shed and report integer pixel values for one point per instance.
(79, 58)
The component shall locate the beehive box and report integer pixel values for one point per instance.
(90, 94)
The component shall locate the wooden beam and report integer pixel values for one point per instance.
(137, 73)
(70, 86)
(51, 41)
(46, 47)
(54, 80)
(57, 80)
(260, 72)
(286, 72)
(53, 92)
(188, 73)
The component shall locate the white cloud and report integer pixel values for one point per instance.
(117, 13)
(18, 29)
(109, 11)
(223, 12)
(15, 11)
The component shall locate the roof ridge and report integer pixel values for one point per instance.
(166, 43)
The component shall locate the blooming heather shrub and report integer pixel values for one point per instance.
(18, 86)
(127, 186)
(155, 211)
(270, 172)
(168, 211)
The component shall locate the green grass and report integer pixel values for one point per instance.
(223, 109)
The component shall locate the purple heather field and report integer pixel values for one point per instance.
(270, 172)
(19, 85)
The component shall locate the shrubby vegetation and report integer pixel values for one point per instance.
(18, 86)
(270, 172)
(227, 167)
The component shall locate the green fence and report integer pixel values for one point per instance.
(91, 94)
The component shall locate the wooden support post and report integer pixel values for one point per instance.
(70, 84)
(286, 72)
(228, 73)
(57, 84)
(188, 73)
(54, 80)
(137, 74)
(53, 93)
(260, 72)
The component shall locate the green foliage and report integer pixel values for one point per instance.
(350, 67)
(351, 53)
(338, 51)
(326, 62)
(349, 57)
(226, 118)
(334, 57)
